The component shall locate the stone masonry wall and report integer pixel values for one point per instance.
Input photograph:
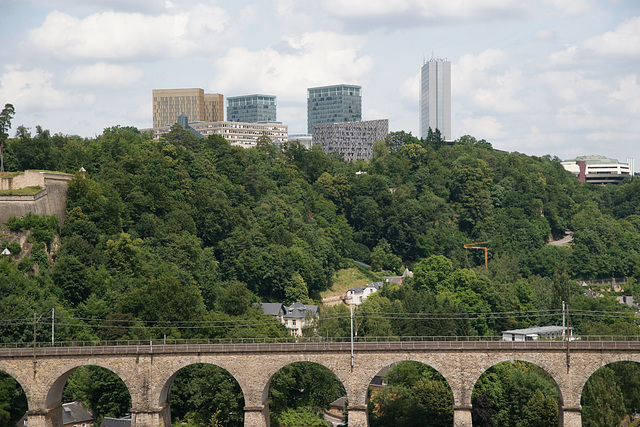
(51, 200)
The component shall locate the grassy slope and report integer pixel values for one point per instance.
(347, 278)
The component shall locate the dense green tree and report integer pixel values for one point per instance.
(13, 402)
(382, 258)
(395, 140)
(302, 385)
(602, 400)
(627, 376)
(513, 394)
(6, 115)
(414, 393)
(234, 298)
(33, 152)
(99, 389)
(432, 274)
(300, 418)
(201, 391)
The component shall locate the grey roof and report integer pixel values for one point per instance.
(377, 285)
(272, 308)
(116, 422)
(23, 421)
(591, 160)
(535, 330)
(298, 310)
(378, 379)
(74, 412)
(339, 402)
(357, 289)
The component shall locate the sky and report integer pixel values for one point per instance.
(557, 77)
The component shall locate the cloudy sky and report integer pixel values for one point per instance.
(557, 77)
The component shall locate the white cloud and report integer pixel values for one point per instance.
(113, 35)
(572, 87)
(563, 57)
(629, 94)
(410, 88)
(429, 9)
(485, 84)
(312, 59)
(483, 127)
(546, 35)
(105, 75)
(33, 90)
(572, 7)
(623, 41)
(150, 6)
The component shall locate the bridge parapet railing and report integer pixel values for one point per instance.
(317, 341)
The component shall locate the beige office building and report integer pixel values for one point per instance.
(168, 104)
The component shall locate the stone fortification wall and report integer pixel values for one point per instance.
(25, 179)
(51, 200)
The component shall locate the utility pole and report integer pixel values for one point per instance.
(563, 323)
(53, 325)
(568, 340)
(35, 362)
(351, 311)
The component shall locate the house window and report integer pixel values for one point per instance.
(293, 322)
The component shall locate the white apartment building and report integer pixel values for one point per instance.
(597, 169)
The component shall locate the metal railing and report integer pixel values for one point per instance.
(589, 341)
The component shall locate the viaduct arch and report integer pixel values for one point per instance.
(148, 371)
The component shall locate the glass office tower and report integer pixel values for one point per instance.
(333, 104)
(252, 108)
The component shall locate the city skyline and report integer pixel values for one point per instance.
(540, 77)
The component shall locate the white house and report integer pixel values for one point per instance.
(357, 294)
(294, 318)
(535, 333)
(297, 317)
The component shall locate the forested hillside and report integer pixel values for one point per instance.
(194, 230)
(178, 238)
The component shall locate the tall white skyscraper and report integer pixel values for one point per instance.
(435, 97)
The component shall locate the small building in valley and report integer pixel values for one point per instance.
(295, 317)
(536, 333)
(357, 294)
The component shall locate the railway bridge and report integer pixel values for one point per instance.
(149, 370)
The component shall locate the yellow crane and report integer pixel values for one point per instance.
(486, 250)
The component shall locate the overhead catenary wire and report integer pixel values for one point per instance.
(235, 323)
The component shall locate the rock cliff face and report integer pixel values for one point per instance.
(51, 200)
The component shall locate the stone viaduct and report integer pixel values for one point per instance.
(148, 371)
